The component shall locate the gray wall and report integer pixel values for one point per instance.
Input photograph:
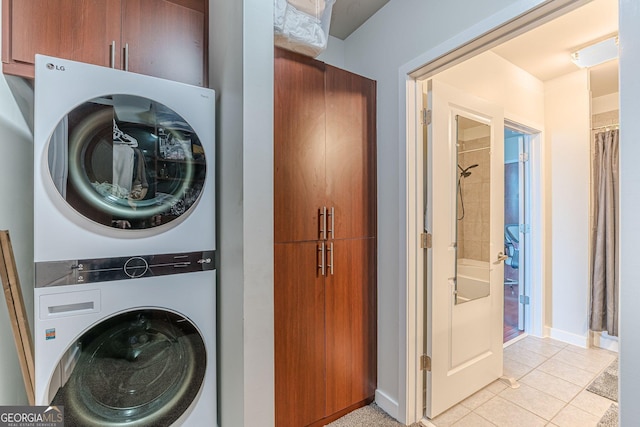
(629, 205)
(16, 207)
(241, 71)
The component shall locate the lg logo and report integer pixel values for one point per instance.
(51, 66)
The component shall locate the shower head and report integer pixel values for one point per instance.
(465, 172)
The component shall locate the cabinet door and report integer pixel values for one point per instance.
(165, 39)
(299, 147)
(299, 334)
(351, 323)
(80, 30)
(351, 153)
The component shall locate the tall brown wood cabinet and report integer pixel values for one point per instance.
(325, 241)
(162, 38)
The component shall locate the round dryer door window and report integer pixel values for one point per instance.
(127, 162)
(142, 368)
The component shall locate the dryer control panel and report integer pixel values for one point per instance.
(76, 272)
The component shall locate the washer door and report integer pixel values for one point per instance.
(127, 162)
(140, 368)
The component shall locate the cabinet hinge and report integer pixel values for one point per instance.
(426, 117)
(523, 157)
(425, 240)
(425, 363)
(524, 299)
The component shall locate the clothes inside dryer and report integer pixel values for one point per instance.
(127, 162)
(139, 368)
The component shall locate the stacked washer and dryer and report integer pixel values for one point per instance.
(124, 247)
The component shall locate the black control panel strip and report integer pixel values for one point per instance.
(75, 272)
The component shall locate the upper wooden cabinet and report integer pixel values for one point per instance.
(324, 151)
(299, 129)
(350, 147)
(161, 38)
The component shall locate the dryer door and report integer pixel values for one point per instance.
(140, 368)
(127, 162)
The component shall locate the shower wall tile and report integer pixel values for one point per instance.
(475, 190)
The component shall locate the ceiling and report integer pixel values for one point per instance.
(348, 15)
(543, 52)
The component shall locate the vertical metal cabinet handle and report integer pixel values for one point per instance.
(126, 56)
(332, 214)
(330, 265)
(112, 55)
(323, 223)
(321, 266)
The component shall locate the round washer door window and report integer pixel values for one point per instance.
(141, 368)
(127, 162)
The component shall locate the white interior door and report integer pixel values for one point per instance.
(464, 294)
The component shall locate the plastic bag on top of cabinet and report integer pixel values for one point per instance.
(302, 25)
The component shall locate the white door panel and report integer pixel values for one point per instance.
(463, 327)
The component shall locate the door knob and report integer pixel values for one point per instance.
(501, 257)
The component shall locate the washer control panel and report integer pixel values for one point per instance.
(75, 272)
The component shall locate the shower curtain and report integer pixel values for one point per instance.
(604, 238)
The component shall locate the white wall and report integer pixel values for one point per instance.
(241, 71)
(400, 32)
(629, 33)
(16, 178)
(493, 78)
(567, 139)
(605, 103)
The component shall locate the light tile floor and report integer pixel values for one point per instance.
(553, 377)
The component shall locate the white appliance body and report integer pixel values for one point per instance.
(124, 244)
(62, 231)
(64, 314)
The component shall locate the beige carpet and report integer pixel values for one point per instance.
(610, 418)
(606, 384)
(370, 415)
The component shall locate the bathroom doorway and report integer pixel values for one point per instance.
(556, 110)
(517, 228)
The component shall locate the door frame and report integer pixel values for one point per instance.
(535, 207)
(517, 19)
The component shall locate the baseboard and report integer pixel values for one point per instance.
(605, 341)
(569, 338)
(515, 340)
(387, 404)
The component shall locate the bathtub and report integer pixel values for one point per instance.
(472, 280)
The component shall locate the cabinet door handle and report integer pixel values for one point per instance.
(330, 264)
(332, 214)
(323, 223)
(126, 56)
(321, 266)
(112, 55)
